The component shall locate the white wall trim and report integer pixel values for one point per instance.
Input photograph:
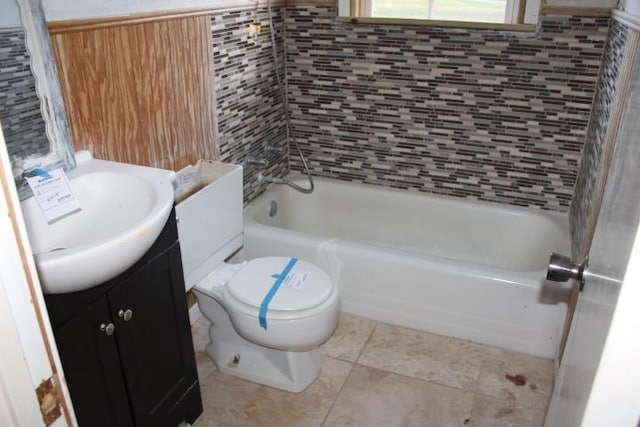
(66, 10)
(632, 21)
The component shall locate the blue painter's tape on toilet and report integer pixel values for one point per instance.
(262, 318)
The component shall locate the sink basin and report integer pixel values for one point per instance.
(123, 210)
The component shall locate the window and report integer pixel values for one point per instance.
(461, 11)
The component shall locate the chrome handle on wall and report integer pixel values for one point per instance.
(125, 314)
(253, 160)
(562, 269)
(273, 149)
(108, 328)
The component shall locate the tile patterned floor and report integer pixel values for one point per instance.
(376, 374)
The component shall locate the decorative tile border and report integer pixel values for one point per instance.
(610, 98)
(249, 108)
(20, 115)
(468, 113)
(479, 114)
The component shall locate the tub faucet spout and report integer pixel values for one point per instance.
(270, 179)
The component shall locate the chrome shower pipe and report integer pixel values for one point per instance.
(264, 179)
(290, 132)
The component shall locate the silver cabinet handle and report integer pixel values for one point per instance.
(125, 314)
(108, 328)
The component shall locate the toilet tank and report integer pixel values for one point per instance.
(209, 212)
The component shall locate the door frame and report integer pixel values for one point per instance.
(615, 393)
(32, 358)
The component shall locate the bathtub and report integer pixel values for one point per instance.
(459, 268)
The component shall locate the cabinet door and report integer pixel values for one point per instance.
(154, 337)
(92, 368)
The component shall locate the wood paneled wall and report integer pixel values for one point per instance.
(140, 93)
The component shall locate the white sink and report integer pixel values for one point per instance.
(123, 210)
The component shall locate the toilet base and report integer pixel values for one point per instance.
(234, 355)
(287, 370)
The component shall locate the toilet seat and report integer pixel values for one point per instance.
(246, 290)
(305, 286)
(294, 322)
(243, 287)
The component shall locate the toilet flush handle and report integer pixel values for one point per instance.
(125, 314)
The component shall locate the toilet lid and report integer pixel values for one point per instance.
(306, 286)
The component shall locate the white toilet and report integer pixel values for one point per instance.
(268, 315)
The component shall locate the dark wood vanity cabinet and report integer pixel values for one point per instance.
(126, 345)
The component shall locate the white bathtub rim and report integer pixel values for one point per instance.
(559, 218)
(403, 256)
(256, 210)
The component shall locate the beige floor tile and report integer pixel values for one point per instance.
(203, 421)
(425, 356)
(349, 338)
(204, 366)
(200, 334)
(524, 379)
(489, 412)
(372, 398)
(235, 402)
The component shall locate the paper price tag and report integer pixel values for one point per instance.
(53, 194)
(296, 280)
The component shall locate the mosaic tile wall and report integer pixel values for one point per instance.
(22, 123)
(249, 109)
(590, 167)
(479, 114)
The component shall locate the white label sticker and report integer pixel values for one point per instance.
(296, 280)
(53, 194)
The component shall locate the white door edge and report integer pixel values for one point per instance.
(26, 316)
